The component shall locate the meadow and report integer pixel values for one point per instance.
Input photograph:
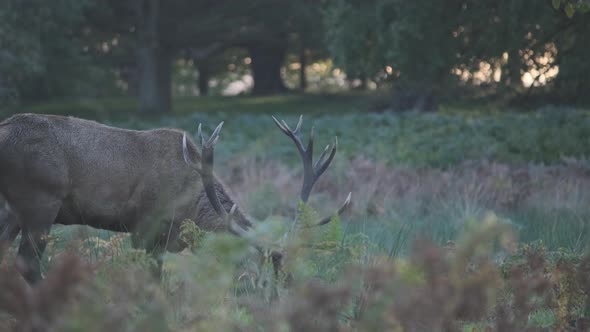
(472, 218)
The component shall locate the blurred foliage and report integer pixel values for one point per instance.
(458, 287)
(191, 235)
(571, 6)
(353, 45)
(41, 51)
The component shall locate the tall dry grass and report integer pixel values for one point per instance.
(99, 283)
(534, 198)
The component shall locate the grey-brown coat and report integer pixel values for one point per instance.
(66, 170)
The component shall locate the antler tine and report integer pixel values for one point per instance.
(293, 135)
(281, 127)
(309, 149)
(343, 208)
(185, 150)
(215, 136)
(322, 156)
(185, 155)
(298, 127)
(200, 136)
(234, 227)
(320, 168)
(286, 126)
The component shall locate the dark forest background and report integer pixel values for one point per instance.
(419, 53)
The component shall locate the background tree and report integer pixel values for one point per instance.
(425, 50)
(352, 38)
(204, 29)
(166, 28)
(413, 38)
(41, 50)
(425, 44)
(416, 39)
(159, 31)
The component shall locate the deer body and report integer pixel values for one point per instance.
(65, 170)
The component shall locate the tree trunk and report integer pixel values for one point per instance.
(363, 85)
(153, 62)
(204, 76)
(129, 76)
(302, 75)
(514, 77)
(165, 81)
(267, 61)
(419, 98)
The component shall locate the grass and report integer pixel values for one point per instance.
(437, 175)
(406, 150)
(120, 108)
(443, 139)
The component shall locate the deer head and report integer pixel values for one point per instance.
(312, 171)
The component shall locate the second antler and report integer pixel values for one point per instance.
(311, 171)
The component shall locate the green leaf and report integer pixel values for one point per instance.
(556, 3)
(307, 216)
(569, 10)
(332, 232)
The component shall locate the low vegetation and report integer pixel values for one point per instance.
(457, 133)
(335, 284)
(462, 220)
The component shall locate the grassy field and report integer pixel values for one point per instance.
(421, 169)
(455, 134)
(470, 177)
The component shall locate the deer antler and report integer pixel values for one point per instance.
(341, 210)
(206, 172)
(311, 171)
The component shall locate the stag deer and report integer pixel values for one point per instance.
(66, 170)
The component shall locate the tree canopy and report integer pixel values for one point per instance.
(424, 50)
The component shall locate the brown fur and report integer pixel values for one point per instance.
(66, 170)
